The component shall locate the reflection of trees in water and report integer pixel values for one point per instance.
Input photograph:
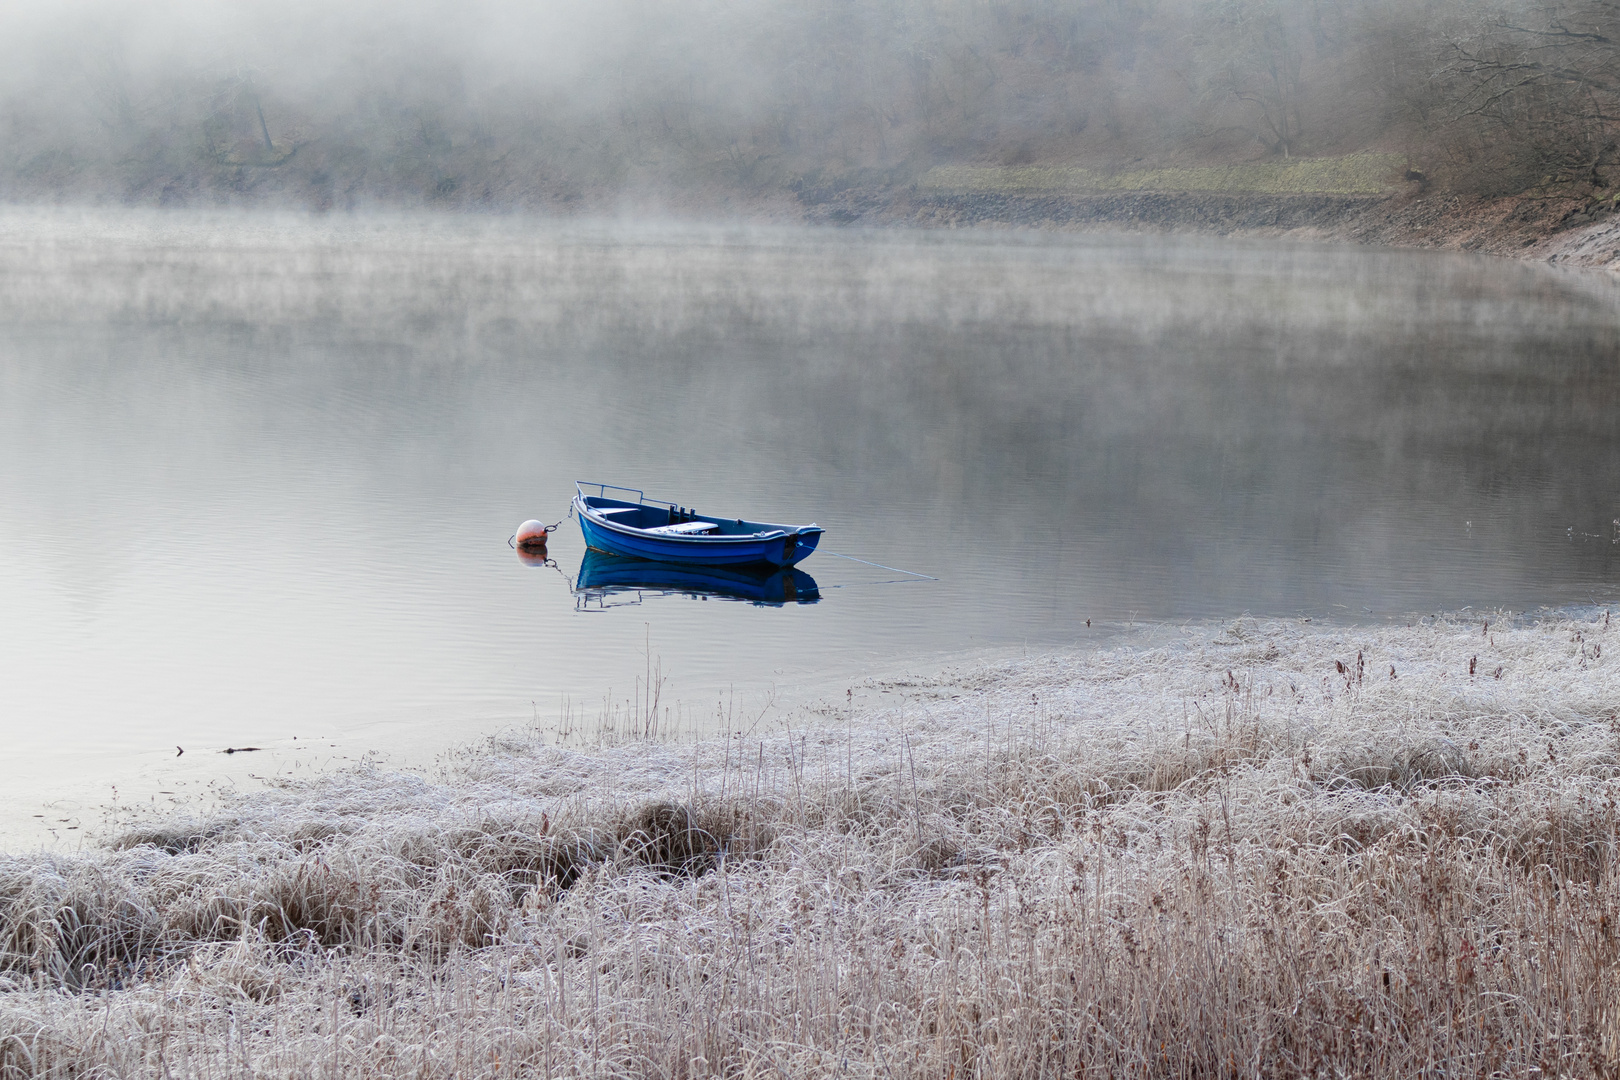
(1171, 405)
(1352, 441)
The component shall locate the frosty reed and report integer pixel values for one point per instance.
(1265, 849)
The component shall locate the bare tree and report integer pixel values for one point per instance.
(1535, 100)
(1254, 53)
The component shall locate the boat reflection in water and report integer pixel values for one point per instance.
(606, 580)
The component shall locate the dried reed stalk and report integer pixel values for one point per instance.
(1262, 850)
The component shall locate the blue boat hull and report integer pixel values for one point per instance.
(728, 542)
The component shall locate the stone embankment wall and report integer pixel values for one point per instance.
(1196, 211)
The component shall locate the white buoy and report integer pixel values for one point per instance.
(531, 534)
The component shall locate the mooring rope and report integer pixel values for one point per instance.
(869, 584)
(880, 566)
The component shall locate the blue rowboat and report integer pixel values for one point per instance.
(669, 532)
(602, 575)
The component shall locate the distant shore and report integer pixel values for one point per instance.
(1561, 228)
(1309, 849)
(1565, 230)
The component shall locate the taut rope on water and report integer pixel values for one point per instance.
(880, 566)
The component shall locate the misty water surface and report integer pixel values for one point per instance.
(259, 474)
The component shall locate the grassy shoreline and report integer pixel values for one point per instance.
(1271, 848)
(1370, 198)
(1367, 173)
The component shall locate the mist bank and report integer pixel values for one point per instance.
(1320, 850)
(762, 108)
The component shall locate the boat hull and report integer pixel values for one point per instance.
(762, 543)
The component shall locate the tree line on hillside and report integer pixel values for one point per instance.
(722, 100)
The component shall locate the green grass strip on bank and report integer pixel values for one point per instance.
(1350, 174)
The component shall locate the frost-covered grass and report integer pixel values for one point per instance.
(1255, 852)
(1351, 174)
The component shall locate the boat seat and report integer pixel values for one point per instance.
(608, 511)
(686, 528)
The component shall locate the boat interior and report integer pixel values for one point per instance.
(672, 519)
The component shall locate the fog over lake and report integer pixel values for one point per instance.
(259, 472)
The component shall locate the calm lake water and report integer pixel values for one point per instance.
(259, 473)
